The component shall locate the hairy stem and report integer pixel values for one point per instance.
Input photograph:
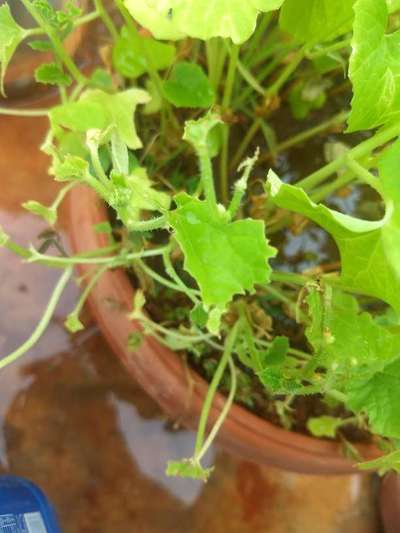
(109, 24)
(226, 102)
(212, 389)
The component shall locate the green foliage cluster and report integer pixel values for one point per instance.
(190, 71)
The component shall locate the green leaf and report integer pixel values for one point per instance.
(324, 426)
(305, 97)
(11, 34)
(224, 257)
(389, 172)
(383, 464)
(71, 168)
(119, 154)
(274, 369)
(199, 316)
(101, 79)
(155, 103)
(36, 208)
(204, 132)
(133, 194)
(62, 21)
(393, 5)
(202, 19)
(348, 344)
(277, 352)
(41, 45)
(188, 86)
(379, 398)
(97, 109)
(314, 21)
(188, 468)
(374, 67)
(4, 238)
(362, 244)
(133, 55)
(73, 324)
(52, 74)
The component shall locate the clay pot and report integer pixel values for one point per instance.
(173, 385)
(390, 502)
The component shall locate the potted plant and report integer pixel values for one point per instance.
(187, 278)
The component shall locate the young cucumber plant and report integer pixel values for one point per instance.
(214, 254)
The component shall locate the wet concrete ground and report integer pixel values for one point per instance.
(73, 421)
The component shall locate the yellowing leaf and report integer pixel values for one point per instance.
(203, 19)
(97, 109)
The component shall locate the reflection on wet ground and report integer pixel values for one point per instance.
(74, 422)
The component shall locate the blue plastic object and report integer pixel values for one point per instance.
(24, 508)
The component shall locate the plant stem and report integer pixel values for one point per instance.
(285, 74)
(85, 19)
(171, 333)
(257, 36)
(361, 150)
(88, 289)
(56, 42)
(280, 296)
(317, 195)
(113, 261)
(300, 279)
(291, 351)
(365, 175)
(149, 225)
(207, 178)
(160, 279)
(251, 132)
(152, 71)
(241, 185)
(212, 389)
(62, 194)
(24, 112)
(226, 102)
(170, 270)
(307, 134)
(109, 24)
(270, 93)
(211, 56)
(224, 413)
(93, 146)
(249, 78)
(345, 43)
(44, 321)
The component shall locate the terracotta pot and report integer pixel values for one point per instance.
(177, 389)
(390, 502)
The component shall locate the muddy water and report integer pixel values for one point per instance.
(74, 422)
